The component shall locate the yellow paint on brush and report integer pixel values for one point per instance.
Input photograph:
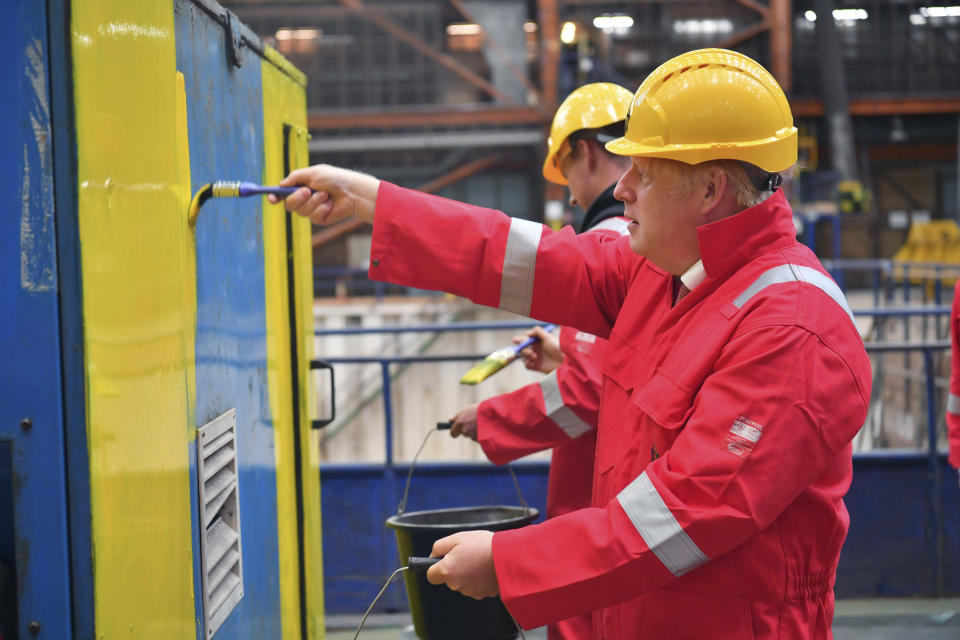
(285, 102)
(139, 309)
(489, 366)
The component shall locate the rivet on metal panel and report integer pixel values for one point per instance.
(234, 54)
(26, 424)
(33, 626)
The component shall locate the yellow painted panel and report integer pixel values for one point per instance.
(285, 103)
(310, 438)
(139, 308)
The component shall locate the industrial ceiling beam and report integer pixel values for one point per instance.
(774, 18)
(763, 10)
(744, 34)
(393, 118)
(378, 18)
(459, 173)
(439, 140)
(881, 106)
(781, 43)
(548, 13)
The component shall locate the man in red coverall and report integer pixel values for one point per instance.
(953, 398)
(734, 378)
(561, 410)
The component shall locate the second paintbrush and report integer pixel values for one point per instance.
(499, 359)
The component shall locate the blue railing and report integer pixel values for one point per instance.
(888, 276)
(384, 362)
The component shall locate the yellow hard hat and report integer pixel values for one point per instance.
(591, 106)
(710, 104)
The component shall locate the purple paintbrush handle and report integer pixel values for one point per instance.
(251, 189)
(529, 341)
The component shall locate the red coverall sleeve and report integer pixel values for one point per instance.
(953, 398)
(716, 486)
(561, 407)
(428, 242)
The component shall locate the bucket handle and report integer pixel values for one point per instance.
(441, 426)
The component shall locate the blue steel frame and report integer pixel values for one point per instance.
(926, 526)
(33, 507)
(71, 319)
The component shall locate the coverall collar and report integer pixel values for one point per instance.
(730, 242)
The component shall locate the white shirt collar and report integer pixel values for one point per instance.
(693, 276)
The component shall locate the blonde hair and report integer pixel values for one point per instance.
(685, 178)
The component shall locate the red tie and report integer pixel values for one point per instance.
(682, 291)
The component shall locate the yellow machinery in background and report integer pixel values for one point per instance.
(929, 246)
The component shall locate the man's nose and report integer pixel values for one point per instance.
(621, 192)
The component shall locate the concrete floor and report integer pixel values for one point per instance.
(871, 619)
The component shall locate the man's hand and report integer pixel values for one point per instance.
(465, 423)
(332, 194)
(543, 355)
(467, 564)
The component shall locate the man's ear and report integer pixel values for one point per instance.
(715, 186)
(589, 152)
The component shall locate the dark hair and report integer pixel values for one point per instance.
(599, 137)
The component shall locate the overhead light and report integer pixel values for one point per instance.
(464, 29)
(568, 33)
(840, 15)
(939, 12)
(719, 25)
(613, 23)
(850, 14)
(298, 34)
(897, 132)
(530, 26)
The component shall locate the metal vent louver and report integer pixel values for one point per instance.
(219, 519)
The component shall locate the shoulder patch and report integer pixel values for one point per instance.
(743, 436)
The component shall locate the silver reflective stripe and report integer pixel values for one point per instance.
(953, 404)
(557, 411)
(658, 528)
(612, 224)
(519, 262)
(795, 273)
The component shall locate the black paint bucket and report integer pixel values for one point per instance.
(439, 613)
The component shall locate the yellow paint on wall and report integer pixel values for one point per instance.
(310, 439)
(285, 103)
(139, 308)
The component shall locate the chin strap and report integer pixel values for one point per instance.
(773, 182)
(761, 179)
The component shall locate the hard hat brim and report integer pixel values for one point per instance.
(772, 154)
(550, 171)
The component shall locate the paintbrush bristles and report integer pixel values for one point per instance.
(203, 194)
(490, 365)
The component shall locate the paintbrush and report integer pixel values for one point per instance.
(499, 359)
(231, 189)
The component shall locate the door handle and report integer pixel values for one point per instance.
(321, 423)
